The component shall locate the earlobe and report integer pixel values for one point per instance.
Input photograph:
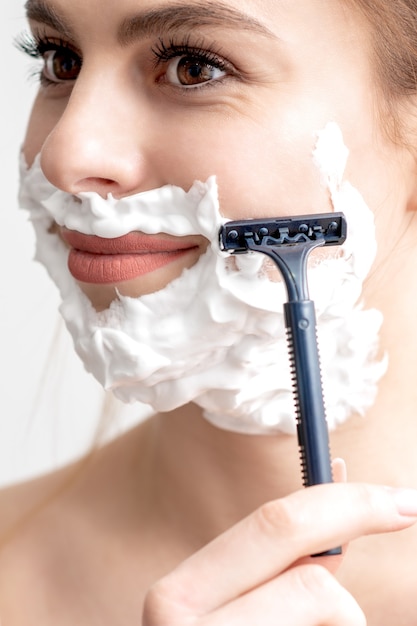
(411, 206)
(407, 138)
(406, 165)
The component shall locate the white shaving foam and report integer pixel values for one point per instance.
(215, 335)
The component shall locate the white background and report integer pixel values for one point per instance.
(49, 408)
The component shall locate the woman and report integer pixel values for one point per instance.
(187, 519)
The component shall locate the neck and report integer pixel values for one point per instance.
(216, 477)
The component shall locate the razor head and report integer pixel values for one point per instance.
(238, 237)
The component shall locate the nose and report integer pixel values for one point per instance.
(101, 141)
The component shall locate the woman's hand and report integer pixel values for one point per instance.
(258, 573)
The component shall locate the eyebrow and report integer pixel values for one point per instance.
(192, 15)
(159, 20)
(44, 13)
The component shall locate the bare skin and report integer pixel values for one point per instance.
(138, 509)
(86, 545)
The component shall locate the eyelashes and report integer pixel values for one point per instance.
(177, 63)
(190, 66)
(28, 45)
(164, 53)
(58, 57)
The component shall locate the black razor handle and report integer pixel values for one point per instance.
(312, 431)
(313, 438)
(288, 242)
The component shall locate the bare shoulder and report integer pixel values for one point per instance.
(72, 485)
(21, 501)
(58, 531)
(24, 541)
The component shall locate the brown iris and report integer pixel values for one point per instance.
(62, 66)
(193, 71)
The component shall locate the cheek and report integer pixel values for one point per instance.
(259, 172)
(274, 179)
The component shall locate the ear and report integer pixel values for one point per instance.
(411, 206)
(406, 138)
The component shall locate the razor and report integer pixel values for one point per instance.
(288, 242)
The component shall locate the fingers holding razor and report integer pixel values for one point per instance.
(307, 595)
(259, 571)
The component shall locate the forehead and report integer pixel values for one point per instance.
(176, 12)
(259, 16)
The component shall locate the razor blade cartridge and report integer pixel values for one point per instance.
(237, 237)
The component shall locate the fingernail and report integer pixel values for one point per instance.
(339, 470)
(406, 501)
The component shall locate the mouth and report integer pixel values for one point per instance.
(102, 261)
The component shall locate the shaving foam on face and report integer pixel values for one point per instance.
(215, 335)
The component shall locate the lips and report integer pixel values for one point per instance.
(99, 260)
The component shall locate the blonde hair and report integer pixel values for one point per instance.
(393, 27)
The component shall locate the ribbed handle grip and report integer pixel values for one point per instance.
(313, 438)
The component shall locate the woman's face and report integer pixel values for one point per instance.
(135, 95)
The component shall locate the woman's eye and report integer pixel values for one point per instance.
(189, 71)
(60, 65)
(60, 62)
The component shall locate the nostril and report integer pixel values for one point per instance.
(96, 182)
(102, 186)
